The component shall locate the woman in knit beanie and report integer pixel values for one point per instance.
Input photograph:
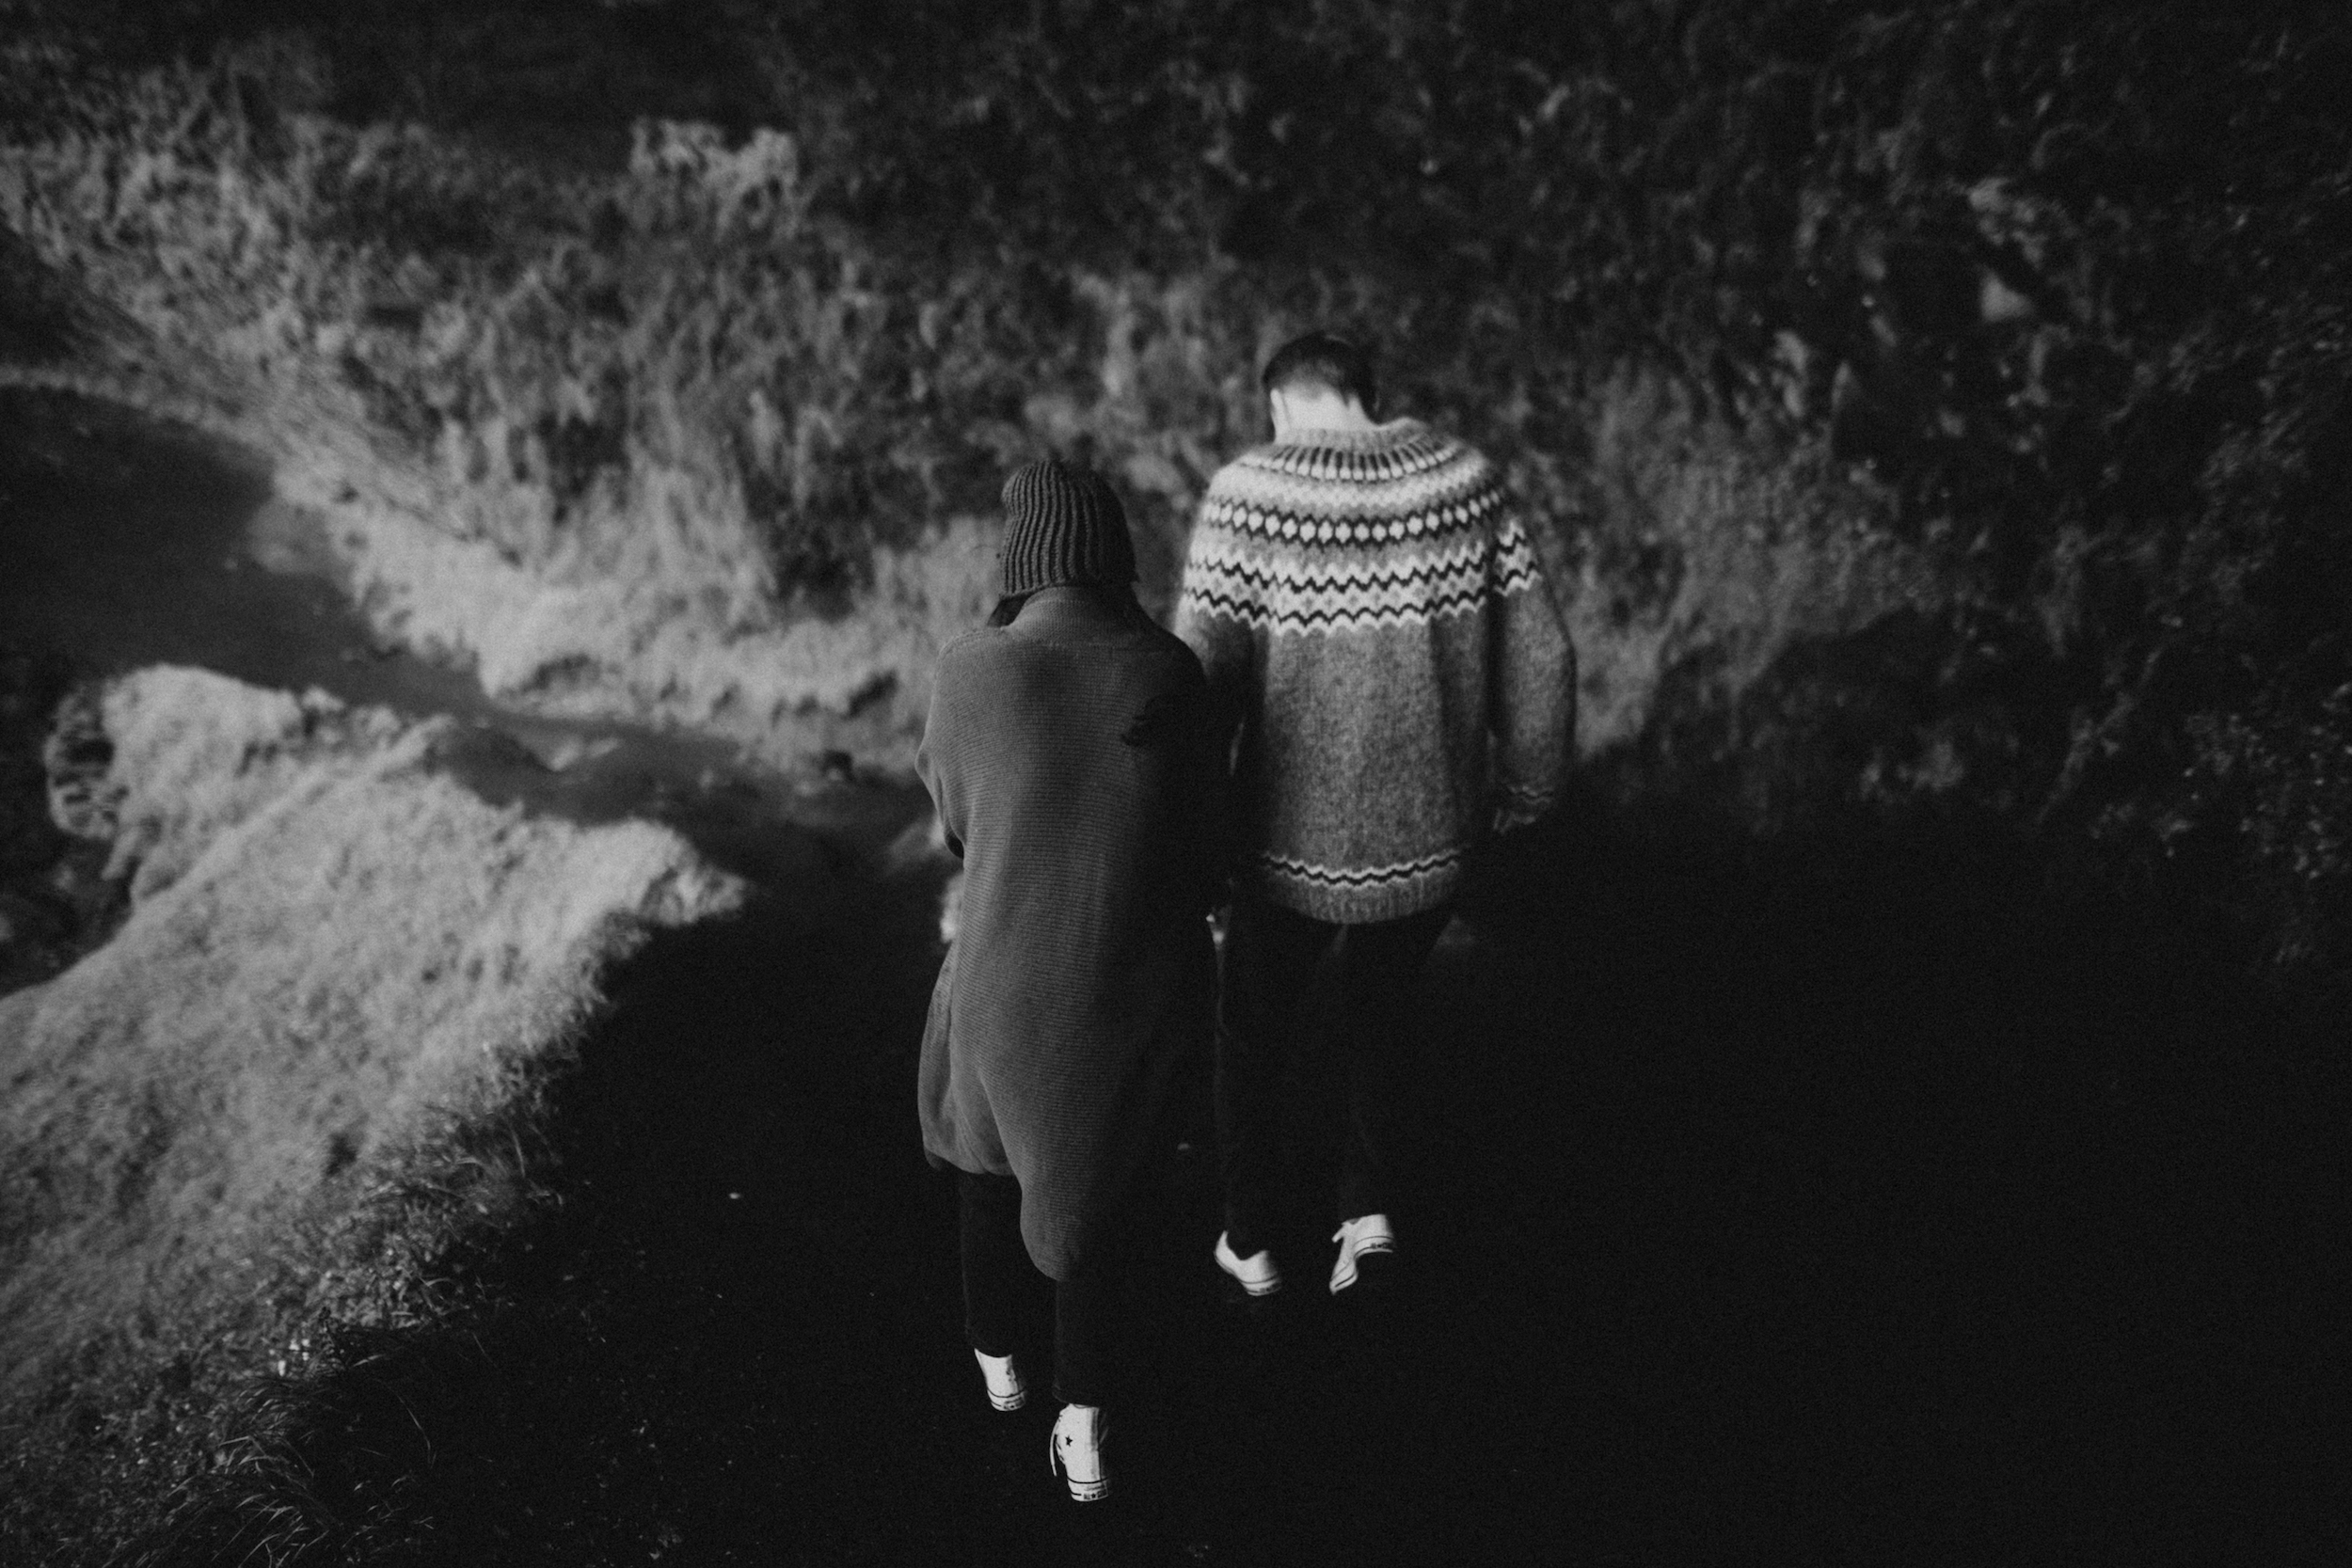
(1068, 757)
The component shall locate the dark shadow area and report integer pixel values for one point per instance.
(125, 545)
(1904, 1210)
(1767, 1214)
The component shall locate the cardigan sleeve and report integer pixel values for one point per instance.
(933, 756)
(1212, 624)
(1532, 681)
(1208, 792)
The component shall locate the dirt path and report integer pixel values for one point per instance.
(1836, 1223)
(1763, 1218)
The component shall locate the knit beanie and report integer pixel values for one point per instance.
(1063, 525)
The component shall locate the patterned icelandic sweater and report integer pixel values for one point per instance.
(1371, 611)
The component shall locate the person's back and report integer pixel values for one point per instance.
(1068, 757)
(1372, 617)
(1367, 602)
(1064, 754)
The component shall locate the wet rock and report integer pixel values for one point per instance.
(78, 758)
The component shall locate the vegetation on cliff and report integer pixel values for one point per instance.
(665, 356)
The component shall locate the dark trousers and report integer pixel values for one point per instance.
(999, 1281)
(1270, 956)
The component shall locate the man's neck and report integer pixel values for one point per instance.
(1296, 409)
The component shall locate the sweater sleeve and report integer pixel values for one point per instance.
(1533, 681)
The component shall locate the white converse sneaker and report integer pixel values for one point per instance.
(1006, 1390)
(1360, 1237)
(1076, 1450)
(1257, 1272)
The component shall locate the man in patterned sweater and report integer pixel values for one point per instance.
(1373, 618)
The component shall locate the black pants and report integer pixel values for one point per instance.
(999, 1281)
(1270, 954)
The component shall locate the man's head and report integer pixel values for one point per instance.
(1063, 525)
(1319, 381)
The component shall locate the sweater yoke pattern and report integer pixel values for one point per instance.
(1305, 539)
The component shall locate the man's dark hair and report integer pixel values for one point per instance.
(1324, 359)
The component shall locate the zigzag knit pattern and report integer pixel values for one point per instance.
(1301, 539)
(1407, 880)
(1370, 604)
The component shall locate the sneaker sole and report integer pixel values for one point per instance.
(1254, 1290)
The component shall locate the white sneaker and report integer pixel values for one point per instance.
(1257, 1272)
(1076, 1450)
(1006, 1390)
(1360, 1237)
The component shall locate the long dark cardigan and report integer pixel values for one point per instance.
(1072, 770)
